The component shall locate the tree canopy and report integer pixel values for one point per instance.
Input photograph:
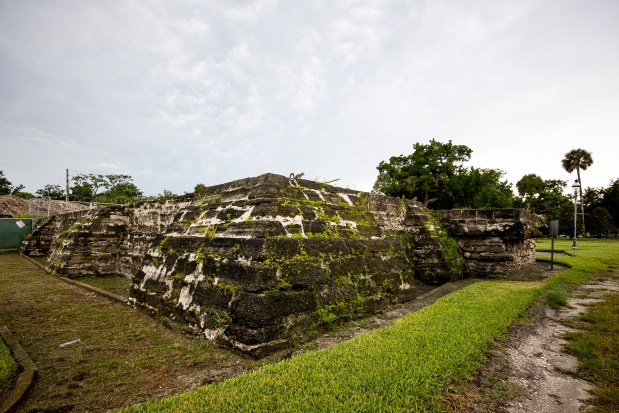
(7, 187)
(435, 175)
(52, 191)
(116, 189)
(545, 197)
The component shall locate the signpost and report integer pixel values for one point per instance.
(554, 231)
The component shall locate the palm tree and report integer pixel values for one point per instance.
(578, 159)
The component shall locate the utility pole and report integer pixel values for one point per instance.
(67, 185)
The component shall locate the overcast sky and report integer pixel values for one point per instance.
(176, 93)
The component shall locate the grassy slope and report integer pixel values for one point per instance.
(398, 368)
(8, 368)
(402, 367)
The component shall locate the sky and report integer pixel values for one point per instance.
(176, 93)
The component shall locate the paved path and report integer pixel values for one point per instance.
(542, 369)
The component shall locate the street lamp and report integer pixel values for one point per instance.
(575, 187)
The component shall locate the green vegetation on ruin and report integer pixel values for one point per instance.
(402, 367)
(449, 246)
(162, 244)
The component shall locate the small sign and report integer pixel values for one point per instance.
(554, 231)
(20, 223)
(554, 228)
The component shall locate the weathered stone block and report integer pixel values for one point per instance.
(256, 261)
(258, 310)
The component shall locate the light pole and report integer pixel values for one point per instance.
(575, 187)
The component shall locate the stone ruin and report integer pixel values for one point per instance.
(260, 263)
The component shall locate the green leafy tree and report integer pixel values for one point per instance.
(546, 198)
(425, 173)
(529, 187)
(610, 200)
(165, 195)
(100, 183)
(53, 191)
(81, 192)
(435, 175)
(575, 160)
(593, 198)
(121, 193)
(600, 223)
(7, 187)
(477, 188)
(105, 188)
(24, 194)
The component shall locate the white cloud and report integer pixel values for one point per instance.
(191, 91)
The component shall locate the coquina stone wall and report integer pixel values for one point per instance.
(493, 241)
(39, 241)
(261, 262)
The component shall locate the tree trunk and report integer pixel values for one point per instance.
(582, 204)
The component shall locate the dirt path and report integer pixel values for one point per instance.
(542, 371)
(531, 371)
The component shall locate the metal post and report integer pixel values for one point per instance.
(576, 186)
(67, 185)
(554, 230)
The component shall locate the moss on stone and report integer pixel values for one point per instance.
(178, 277)
(162, 244)
(450, 250)
(229, 287)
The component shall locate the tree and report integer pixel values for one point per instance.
(575, 160)
(530, 185)
(91, 181)
(81, 192)
(105, 188)
(477, 188)
(546, 198)
(52, 191)
(610, 200)
(6, 187)
(425, 173)
(601, 223)
(167, 194)
(121, 193)
(24, 194)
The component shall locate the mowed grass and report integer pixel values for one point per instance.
(597, 349)
(116, 285)
(8, 368)
(403, 367)
(124, 356)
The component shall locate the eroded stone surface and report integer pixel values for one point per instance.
(261, 262)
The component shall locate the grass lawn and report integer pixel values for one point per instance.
(123, 357)
(402, 367)
(116, 285)
(8, 368)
